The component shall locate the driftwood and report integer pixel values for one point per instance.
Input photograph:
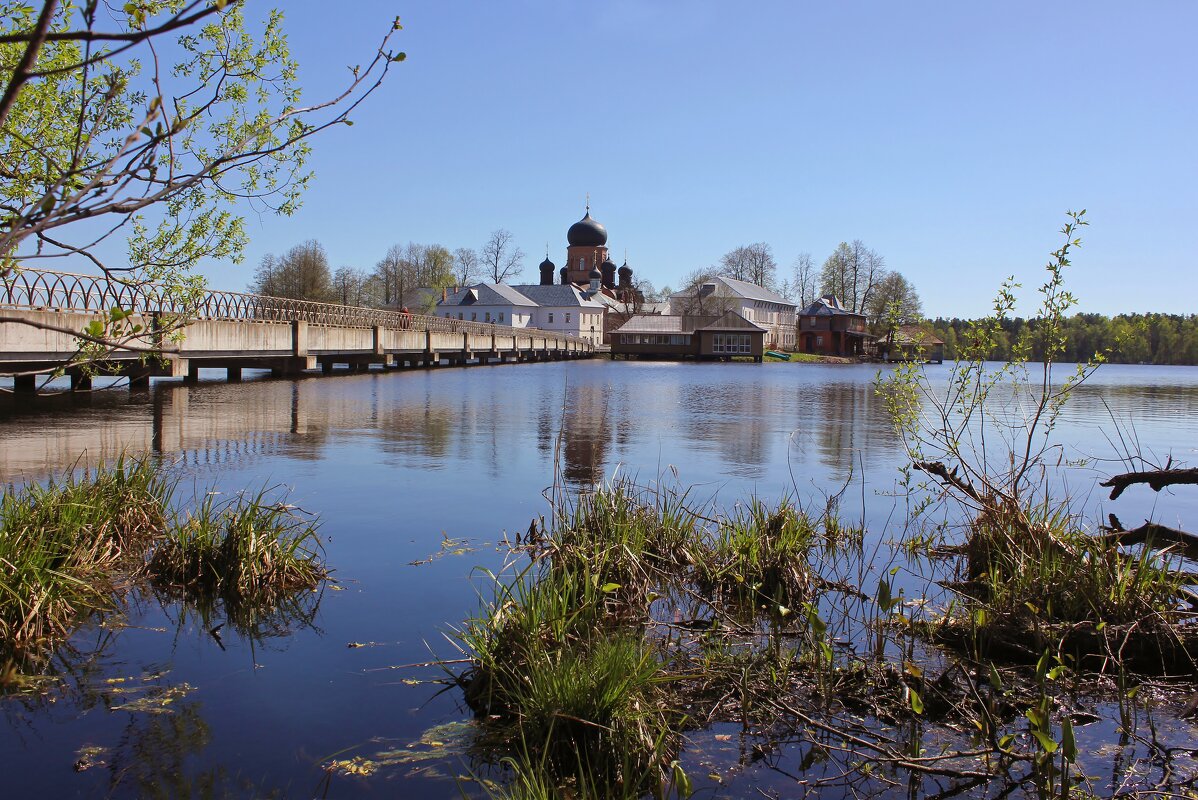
(1158, 536)
(1157, 479)
(950, 478)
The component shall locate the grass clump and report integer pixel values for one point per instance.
(71, 548)
(248, 551)
(589, 663)
(64, 547)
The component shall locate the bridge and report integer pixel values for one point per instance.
(43, 312)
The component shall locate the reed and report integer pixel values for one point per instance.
(248, 551)
(65, 547)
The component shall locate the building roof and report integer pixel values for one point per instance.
(556, 295)
(752, 291)
(587, 232)
(487, 294)
(663, 323)
(828, 306)
(741, 289)
(916, 335)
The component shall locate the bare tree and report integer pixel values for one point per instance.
(803, 280)
(351, 286)
(465, 266)
(302, 273)
(501, 259)
(753, 263)
(406, 268)
(703, 295)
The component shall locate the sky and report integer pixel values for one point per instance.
(949, 137)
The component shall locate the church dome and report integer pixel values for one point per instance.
(595, 275)
(625, 270)
(547, 264)
(587, 233)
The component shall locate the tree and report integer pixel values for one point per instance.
(406, 268)
(500, 258)
(702, 295)
(803, 281)
(99, 137)
(302, 273)
(753, 263)
(892, 303)
(351, 287)
(851, 274)
(465, 266)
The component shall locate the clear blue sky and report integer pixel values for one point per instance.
(950, 137)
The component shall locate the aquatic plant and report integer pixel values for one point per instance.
(66, 546)
(248, 551)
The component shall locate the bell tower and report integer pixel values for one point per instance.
(586, 248)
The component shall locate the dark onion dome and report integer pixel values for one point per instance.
(548, 265)
(625, 270)
(595, 274)
(565, 273)
(608, 267)
(587, 233)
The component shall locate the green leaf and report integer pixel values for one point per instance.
(1046, 742)
(916, 700)
(608, 588)
(1068, 742)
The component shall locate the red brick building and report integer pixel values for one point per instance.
(828, 328)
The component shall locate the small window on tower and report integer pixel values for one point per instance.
(550, 317)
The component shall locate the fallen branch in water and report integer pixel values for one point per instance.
(1156, 479)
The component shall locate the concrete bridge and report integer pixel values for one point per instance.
(41, 313)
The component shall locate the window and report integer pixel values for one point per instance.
(582, 263)
(474, 316)
(488, 316)
(448, 316)
(459, 315)
(819, 341)
(550, 317)
(731, 343)
(567, 316)
(501, 316)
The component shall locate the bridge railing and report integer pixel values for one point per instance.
(46, 290)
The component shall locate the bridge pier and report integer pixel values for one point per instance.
(24, 384)
(80, 381)
(233, 374)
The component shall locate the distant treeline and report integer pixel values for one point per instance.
(1124, 339)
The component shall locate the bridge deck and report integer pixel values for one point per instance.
(41, 313)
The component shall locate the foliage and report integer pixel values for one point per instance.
(407, 268)
(302, 273)
(99, 137)
(1122, 339)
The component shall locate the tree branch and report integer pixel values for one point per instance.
(1156, 479)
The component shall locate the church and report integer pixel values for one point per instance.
(588, 264)
(590, 270)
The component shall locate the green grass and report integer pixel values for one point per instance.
(581, 661)
(71, 548)
(248, 551)
(64, 547)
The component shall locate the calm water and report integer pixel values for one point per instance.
(396, 463)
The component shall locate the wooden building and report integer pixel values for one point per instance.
(662, 336)
(828, 328)
(912, 343)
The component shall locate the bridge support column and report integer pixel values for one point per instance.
(233, 374)
(80, 381)
(139, 381)
(326, 367)
(193, 374)
(24, 384)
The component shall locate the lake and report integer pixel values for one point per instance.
(416, 476)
